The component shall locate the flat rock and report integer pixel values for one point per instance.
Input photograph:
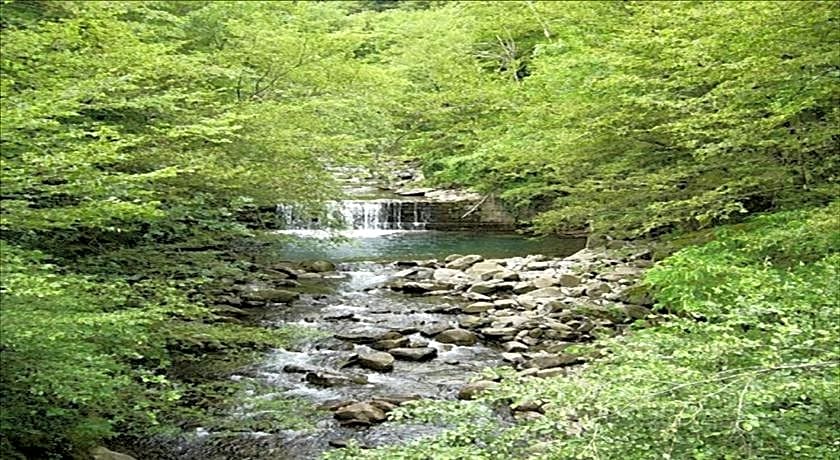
(376, 360)
(387, 344)
(462, 263)
(485, 270)
(270, 295)
(365, 334)
(457, 337)
(362, 413)
(478, 307)
(331, 379)
(414, 354)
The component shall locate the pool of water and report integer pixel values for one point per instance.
(388, 245)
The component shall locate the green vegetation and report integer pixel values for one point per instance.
(134, 134)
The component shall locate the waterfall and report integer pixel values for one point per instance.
(363, 215)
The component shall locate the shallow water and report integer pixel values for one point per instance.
(389, 245)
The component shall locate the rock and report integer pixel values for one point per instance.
(477, 296)
(270, 295)
(514, 347)
(523, 287)
(620, 273)
(414, 191)
(434, 328)
(597, 289)
(472, 321)
(515, 358)
(484, 288)
(538, 265)
(527, 406)
(524, 416)
(545, 293)
(103, 453)
(386, 406)
(332, 379)
(376, 360)
(473, 390)
(543, 282)
(419, 287)
(417, 342)
(361, 413)
(551, 372)
(636, 311)
(548, 361)
(506, 275)
(452, 257)
(499, 331)
(462, 263)
(414, 354)
(568, 280)
(478, 307)
(448, 275)
(457, 337)
(637, 295)
(296, 369)
(387, 344)
(485, 270)
(318, 266)
(505, 303)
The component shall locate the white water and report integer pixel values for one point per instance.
(356, 218)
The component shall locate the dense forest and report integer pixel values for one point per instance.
(135, 133)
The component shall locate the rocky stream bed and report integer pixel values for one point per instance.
(416, 329)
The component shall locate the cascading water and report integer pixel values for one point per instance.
(359, 215)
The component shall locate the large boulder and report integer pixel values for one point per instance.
(376, 360)
(361, 413)
(462, 263)
(414, 354)
(457, 337)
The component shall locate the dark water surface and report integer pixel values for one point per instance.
(387, 245)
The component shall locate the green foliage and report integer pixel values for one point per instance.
(630, 118)
(747, 368)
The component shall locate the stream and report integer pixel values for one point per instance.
(352, 312)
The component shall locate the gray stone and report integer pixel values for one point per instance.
(362, 413)
(515, 358)
(376, 360)
(452, 257)
(457, 337)
(538, 265)
(473, 390)
(505, 303)
(414, 354)
(462, 263)
(472, 321)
